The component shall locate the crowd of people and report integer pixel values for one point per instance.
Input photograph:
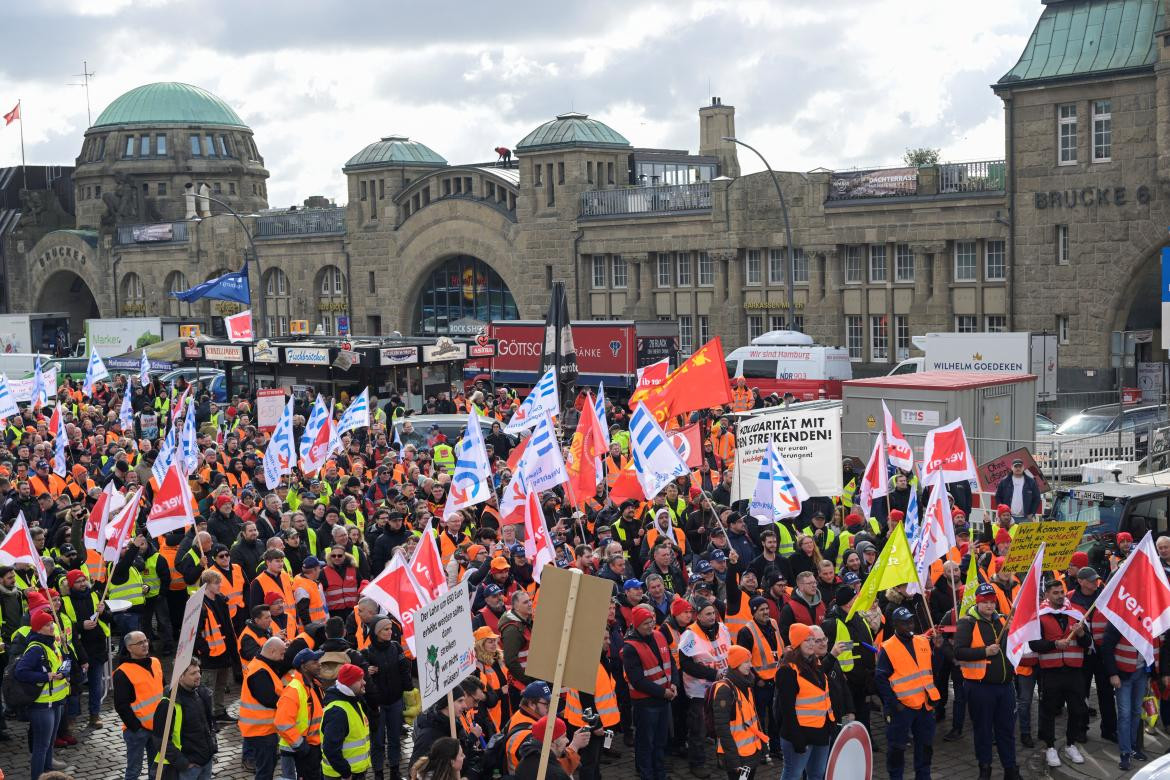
(730, 644)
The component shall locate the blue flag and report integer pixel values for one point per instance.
(232, 286)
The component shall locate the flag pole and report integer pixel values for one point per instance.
(23, 167)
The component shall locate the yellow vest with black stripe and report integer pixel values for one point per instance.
(356, 747)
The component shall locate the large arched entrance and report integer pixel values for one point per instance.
(66, 291)
(460, 296)
(1141, 310)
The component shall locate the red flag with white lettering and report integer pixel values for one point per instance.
(109, 502)
(874, 482)
(239, 326)
(172, 504)
(427, 567)
(120, 530)
(897, 447)
(18, 547)
(1025, 625)
(946, 450)
(1136, 600)
(395, 592)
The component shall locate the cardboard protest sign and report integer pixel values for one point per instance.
(445, 646)
(1060, 540)
(991, 472)
(590, 610)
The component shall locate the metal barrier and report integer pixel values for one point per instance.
(980, 176)
(646, 200)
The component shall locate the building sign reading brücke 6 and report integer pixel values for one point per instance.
(1092, 196)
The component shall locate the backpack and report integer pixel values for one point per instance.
(16, 694)
(709, 709)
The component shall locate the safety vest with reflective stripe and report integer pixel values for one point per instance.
(95, 566)
(256, 720)
(1097, 623)
(765, 659)
(194, 554)
(212, 633)
(298, 713)
(130, 590)
(745, 726)
(784, 546)
(361, 634)
(150, 576)
(248, 631)
(976, 670)
(1072, 657)
(660, 672)
(67, 606)
(443, 455)
(169, 553)
(604, 702)
(912, 680)
(671, 636)
(54, 690)
(283, 586)
(1127, 658)
(233, 588)
(341, 591)
(741, 617)
(148, 690)
(492, 682)
(522, 656)
(847, 659)
(355, 749)
(519, 727)
(311, 588)
(813, 706)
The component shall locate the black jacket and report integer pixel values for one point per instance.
(529, 754)
(197, 732)
(1004, 490)
(430, 725)
(393, 675)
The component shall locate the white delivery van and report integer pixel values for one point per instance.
(787, 361)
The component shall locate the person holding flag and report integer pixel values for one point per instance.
(988, 677)
(1061, 655)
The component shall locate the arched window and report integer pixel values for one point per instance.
(133, 295)
(177, 282)
(332, 302)
(277, 303)
(460, 297)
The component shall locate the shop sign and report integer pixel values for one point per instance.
(223, 352)
(398, 356)
(264, 352)
(298, 327)
(189, 331)
(307, 356)
(443, 350)
(482, 350)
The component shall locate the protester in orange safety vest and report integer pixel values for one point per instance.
(741, 396)
(804, 705)
(259, 698)
(215, 643)
(761, 637)
(138, 687)
(905, 681)
(255, 633)
(739, 741)
(298, 718)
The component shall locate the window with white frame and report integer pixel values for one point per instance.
(853, 266)
(995, 266)
(966, 323)
(1062, 245)
(684, 269)
(1067, 134)
(752, 266)
(1062, 328)
(877, 262)
(332, 302)
(799, 266)
(777, 259)
(1102, 130)
(704, 328)
(686, 335)
(620, 281)
(854, 336)
(133, 293)
(664, 262)
(706, 270)
(598, 271)
(903, 263)
(755, 323)
(966, 261)
(776, 322)
(277, 303)
(995, 323)
(901, 336)
(879, 339)
(332, 281)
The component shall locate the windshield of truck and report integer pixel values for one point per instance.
(1104, 512)
(1084, 425)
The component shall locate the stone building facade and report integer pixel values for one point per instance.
(1062, 235)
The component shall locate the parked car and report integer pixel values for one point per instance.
(1044, 424)
(450, 425)
(1099, 433)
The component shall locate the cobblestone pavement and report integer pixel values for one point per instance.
(100, 756)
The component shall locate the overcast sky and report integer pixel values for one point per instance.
(832, 83)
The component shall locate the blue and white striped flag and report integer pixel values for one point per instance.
(7, 399)
(126, 415)
(542, 462)
(60, 441)
(778, 494)
(166, 454)
(316, 422)
(189, 443)
(912, 524)
(599, 405)
(144, 370)
(544, 398)
(280, 455)
(471, 483)
(656, 461)
(357, 414)
(40, 395)
(94, 372)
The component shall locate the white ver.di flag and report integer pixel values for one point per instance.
(94, 372)
(189, 444)
(656, 461)
(543, 398)
(356, 415)
(778, 494)
(542, 462)
(471, 483)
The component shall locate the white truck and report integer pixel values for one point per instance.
(119, 335)
(26, 333)
(1008, 353)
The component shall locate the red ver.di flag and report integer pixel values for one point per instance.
(946, 450)
(171, 508)
(239, 326)
(1136, 600)
(426, 567)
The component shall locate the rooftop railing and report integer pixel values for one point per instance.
(647, 200)
(301, 223)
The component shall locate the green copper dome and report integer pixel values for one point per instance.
(168, 102)
(395, 150)
(571, 129)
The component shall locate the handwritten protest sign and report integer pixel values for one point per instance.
(445, 646)
(1061, 540)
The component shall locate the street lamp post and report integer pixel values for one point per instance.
(255, 255)
(787, 231)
